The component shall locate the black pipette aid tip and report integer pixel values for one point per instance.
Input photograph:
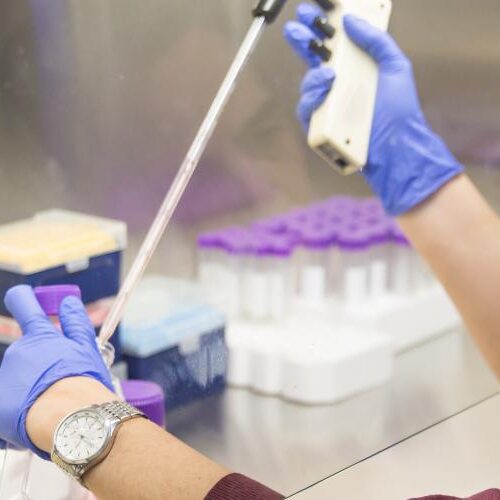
(321, 50)
(324, 26)
(268, 9)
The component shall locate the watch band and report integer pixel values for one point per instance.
(116, 412)
(119, 411)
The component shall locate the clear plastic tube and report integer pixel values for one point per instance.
(356, 276)
(229, 280)
(279, 287)
(379, 271)
(314, 276)
(207, 266)
(335, 273)
(256, 289)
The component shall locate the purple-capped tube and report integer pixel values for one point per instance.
(314, 271)
(237, 247)
(379, 229)
(354, 243)
(210, 259)
(255, 287)
(402, 260)
(279, 260)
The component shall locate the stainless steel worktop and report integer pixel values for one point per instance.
(290, 447)
(456, 457)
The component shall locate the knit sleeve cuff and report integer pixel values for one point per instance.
(239, 487)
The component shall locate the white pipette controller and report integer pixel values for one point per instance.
(340, 129)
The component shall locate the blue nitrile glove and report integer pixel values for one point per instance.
(42, 357)
(407, 161)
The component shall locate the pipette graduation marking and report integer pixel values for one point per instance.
(266, 11)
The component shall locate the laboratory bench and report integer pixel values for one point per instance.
(458, 456)
(292, 447)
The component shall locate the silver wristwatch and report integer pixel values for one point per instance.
(84, 438)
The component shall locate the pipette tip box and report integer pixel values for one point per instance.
(170, 338)
(57, 247)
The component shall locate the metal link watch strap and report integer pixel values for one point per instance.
(120, 411)
(75, 471)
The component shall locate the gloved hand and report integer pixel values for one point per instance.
(42, 357)
(407, 162)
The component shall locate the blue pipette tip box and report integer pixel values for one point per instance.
(172, 338)
(185, 377)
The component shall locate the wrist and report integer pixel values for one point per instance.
(408, 164)
(62, 398)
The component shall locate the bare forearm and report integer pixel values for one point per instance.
(145, 462)
(458, 234)
(148, 463)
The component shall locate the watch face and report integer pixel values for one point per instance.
(81, 436)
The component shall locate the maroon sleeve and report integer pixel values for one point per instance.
(485, 495)
(238, 487)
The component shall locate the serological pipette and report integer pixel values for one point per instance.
(264, 13)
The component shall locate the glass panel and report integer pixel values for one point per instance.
(99, 101)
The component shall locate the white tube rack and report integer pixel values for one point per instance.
(322, 355)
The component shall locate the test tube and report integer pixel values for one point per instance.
(279, 275)
(209, 258)
(255, 280)
(314, 273)
(379, 229)
(354, 243)
(230, 277)
(294, 229)
(402, 263)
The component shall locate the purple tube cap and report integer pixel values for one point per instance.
(279, 246)
(147, 397)
(354, 237)
(214, 240)
(316, 238)
(207, 240)
(51, 297)
(238, 241)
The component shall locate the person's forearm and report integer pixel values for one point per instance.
(458, 234)
(145, 462)
(167, 468)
